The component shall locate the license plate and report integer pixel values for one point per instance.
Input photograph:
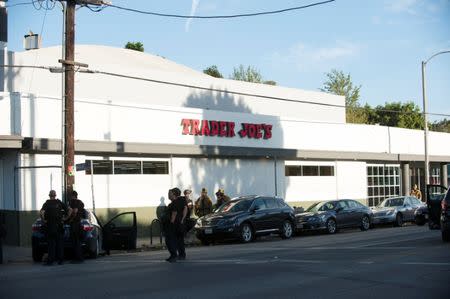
(208, 231)
(426, 216)
(299, 225)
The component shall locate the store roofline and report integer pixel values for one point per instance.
(136, 149)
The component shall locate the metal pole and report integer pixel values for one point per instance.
(425, 118)
(69, 147)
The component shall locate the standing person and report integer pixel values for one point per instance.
(203, 205)
(189, 223)
(174, 232)
(416, 192)
(53, 213)
(221, 198)
(76, 212)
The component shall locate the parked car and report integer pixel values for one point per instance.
(396, 210)
(118, 233)
(246, 217)
(438, 203)
(421, 215)
(332, 215)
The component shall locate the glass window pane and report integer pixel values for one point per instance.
(127, 167)
(102, 167)
(310, 170)
(293, 170)
(326, 170)
(155, 167)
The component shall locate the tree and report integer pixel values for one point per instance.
(441, 126)
(397, 114)
(213, 71)
(137, 46)
(249, 74)
(341, 84)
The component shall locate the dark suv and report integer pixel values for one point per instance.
(438, 202)
(246, 217)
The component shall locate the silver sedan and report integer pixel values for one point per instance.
(396, 210)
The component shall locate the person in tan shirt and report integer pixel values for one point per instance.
(203, 205)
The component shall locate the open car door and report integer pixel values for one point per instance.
(435, 194)
(120, 232)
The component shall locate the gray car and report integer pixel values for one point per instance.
(396, 210)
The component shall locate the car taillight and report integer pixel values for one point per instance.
(444, 205)
(87, 227)
(36, 227)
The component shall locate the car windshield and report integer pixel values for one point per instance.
(321, 206)
(391, 202)
(235, 206)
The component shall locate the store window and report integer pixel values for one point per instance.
(116, 167)
(309, 170)
(383, 181)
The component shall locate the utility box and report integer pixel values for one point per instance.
(31, 41)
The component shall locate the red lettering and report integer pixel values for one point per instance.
(205, 128)
(244, 131)
(194, 127)
(214, 126)
(231, 129)
(267, 131)
(222, 128)
(186, 123)
(252, 131)
(258, 131)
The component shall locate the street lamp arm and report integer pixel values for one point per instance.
(436, 54)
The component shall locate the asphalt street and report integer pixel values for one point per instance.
(406, 262)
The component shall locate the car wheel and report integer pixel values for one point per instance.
(36, 254)
(446, 236)
(94, 253)
(398, 220)
(287, 230)
(419, 221)
(331, 226)
(365, 223)
(246, 233)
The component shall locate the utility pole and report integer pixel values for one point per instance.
(69, 65)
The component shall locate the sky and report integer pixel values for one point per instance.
(380, 43)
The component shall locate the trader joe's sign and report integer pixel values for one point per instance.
(227, 129)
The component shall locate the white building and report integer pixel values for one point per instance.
(173, 126)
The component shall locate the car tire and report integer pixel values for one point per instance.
(398, 220)
(419, 221)
(287, 230)
(246, 233)
(331, 226)
(365, 223)
(95, 252)
(446, 236)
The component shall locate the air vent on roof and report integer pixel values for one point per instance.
(31, 41)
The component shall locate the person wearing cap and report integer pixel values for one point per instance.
(221, 198)
(53, 213)
(187, 194)
(203, 205)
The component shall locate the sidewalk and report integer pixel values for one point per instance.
(18, 254)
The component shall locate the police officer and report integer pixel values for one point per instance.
(53, 213)
(174, 229)
(76, 212)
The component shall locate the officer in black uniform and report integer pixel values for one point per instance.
(53, 213)
(76, 213)
(173, 225)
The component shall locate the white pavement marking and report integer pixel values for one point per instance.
(425, 263)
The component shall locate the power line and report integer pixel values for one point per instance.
(58, 69)
(218, 16)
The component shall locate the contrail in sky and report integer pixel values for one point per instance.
(195, 4)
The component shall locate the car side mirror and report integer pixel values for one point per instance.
(338, 209)
(255, 208)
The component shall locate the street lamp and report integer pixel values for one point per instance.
(425, 115)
